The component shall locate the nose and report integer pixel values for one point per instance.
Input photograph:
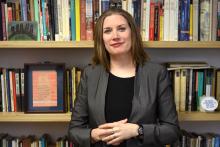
(115, 34)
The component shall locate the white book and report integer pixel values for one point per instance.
(130, 7)
(173, 20)
(66, 20)
(3, 94)
(166, 27)
(195, 20)
(125, 5)
(204, 20)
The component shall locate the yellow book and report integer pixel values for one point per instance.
(183, 89)
(177, 88)
(77, 12)
(161, 28)
(73, 72)
(191, 23)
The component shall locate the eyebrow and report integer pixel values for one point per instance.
(117, 26)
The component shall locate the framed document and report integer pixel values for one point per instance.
(44, 87)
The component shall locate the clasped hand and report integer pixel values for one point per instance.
(114, 133)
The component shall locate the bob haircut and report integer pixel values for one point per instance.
(101, 56)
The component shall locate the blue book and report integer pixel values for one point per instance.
(104, 5)
(217, 141)
(184, 20)
(23, 4)
(137, 12)
(43, 4)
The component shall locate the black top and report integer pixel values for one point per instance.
(118, 99)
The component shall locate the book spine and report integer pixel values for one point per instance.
(191, 21)
(89, 20)
(151, 25)
(104, 5)
(156, 21)
(177, 88)
(77, 12)
(195, 20)
(43, 6)
(36, 18)
(4, 30)
(214, 20)
(183, 89)
(73, 20)
(95, 11)
(55, 21)
(24, 10)
(137, 13)
(17, 9)
(218, 22)
(185, 20)
(173, 21)
(166, 28)
(204, 20)
(83, 20)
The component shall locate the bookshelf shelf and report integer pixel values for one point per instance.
(65, 117)
(199, 116)
(90, 44)
(39, 117)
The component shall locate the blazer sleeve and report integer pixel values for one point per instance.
(166, 130)
(78, 127)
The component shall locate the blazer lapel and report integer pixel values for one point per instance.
(136, 97)
(100, 97)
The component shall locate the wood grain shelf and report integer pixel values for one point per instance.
(90, 44)
(65, 117)
(199, 116)
(30, 117)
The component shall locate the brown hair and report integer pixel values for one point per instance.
(101, 56)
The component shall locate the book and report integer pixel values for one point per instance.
(22, 30)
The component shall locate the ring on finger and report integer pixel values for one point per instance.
(113, 131)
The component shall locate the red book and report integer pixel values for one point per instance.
(83, 20)
(151, 25)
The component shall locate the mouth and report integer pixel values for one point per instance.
(116, 44)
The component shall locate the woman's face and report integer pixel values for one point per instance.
(116, 35)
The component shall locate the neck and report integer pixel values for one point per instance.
(122, 66)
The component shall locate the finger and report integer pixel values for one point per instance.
(109, 138)
(115, 141)
(106, 132)
(107, 126)
(123, 121)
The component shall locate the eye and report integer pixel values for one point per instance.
(107, 31)
(122, 29)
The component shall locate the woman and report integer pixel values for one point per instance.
(123, 99)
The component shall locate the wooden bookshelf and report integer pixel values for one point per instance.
(199, 116)
(30, 117)
(65, 117)
(90, 44)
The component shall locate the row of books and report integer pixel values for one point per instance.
(192, 139)
(12, 89)
(191, 81)
(187, 139)
(45, 140)
(64, 20)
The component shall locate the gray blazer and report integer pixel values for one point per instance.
(152, 106)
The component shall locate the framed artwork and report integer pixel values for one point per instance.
(44, 87)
